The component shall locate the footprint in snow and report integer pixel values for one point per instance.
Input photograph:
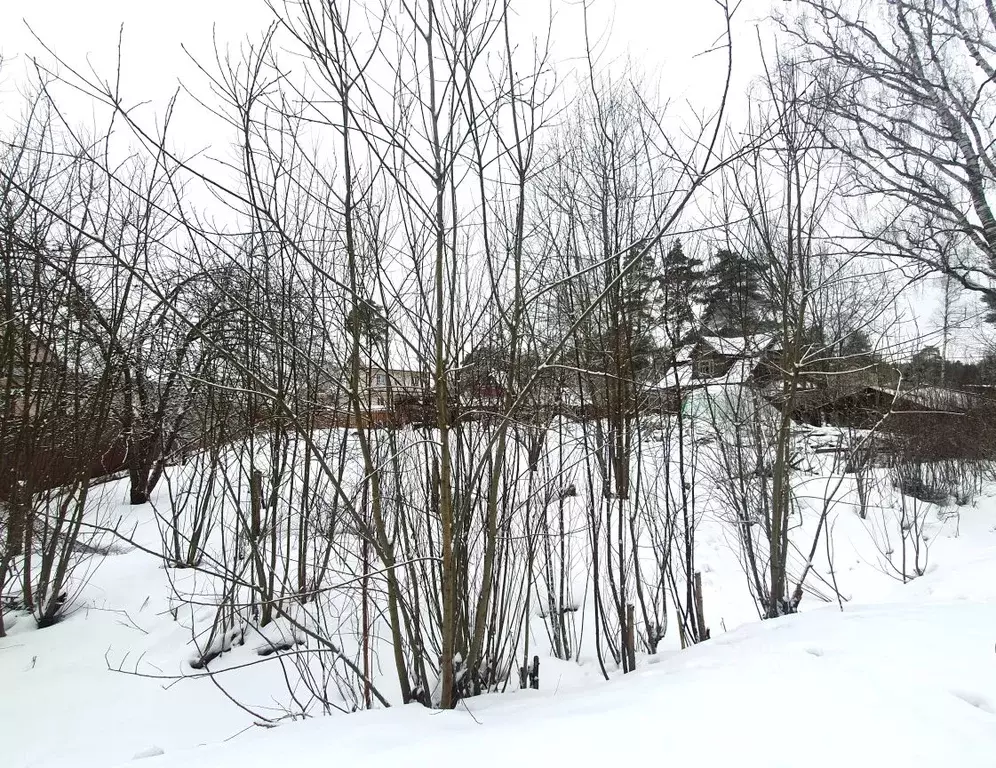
(976, 700)
(150, 752)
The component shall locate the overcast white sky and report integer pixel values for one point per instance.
(663, 37)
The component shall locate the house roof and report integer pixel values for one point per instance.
(740, 346)
(744, 349)
(927, 398)
(740, 372)
(941, 398)
(683, 375)
(678, 375)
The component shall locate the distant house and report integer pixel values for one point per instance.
(665, 395)
(384, 387)
(733, 359)
(29, 364)
(387, 395)
(931, 422)
(708, 361)
(843, 402)
(48, 438)
(704, 362)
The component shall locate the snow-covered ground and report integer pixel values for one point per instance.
(892, 685)
(904, 674)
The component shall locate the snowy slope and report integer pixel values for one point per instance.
(910, 685)
(904, 675)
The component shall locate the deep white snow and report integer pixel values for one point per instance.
(904, 675)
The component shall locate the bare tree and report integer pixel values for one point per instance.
(906, 85)
(362, 480)
(783, 195)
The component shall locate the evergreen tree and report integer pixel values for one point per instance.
(621, 338)
(639, 316)
(367, 320)
(987, 369)
(735, 303)
(926, 366)
(847, 352)
(681, 288)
